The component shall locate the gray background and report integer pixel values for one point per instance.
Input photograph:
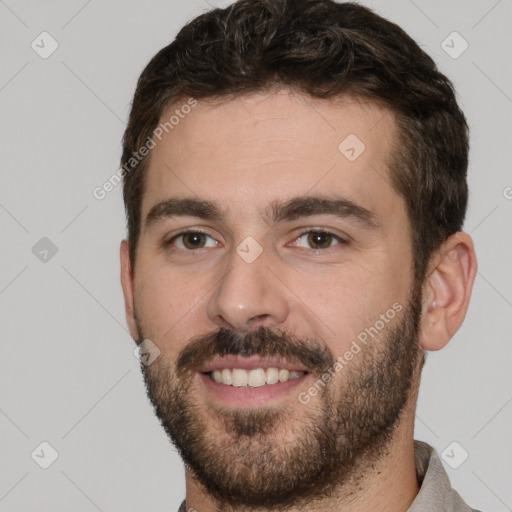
(68, 374)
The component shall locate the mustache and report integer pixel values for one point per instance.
(262, 342)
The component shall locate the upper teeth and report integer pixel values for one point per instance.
(254, 378)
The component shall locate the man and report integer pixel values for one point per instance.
(295, 188)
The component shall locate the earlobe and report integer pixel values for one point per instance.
(128, 288)
(447, 291)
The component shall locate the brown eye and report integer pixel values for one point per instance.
(190, 240)
(320, 240)
(193, 240)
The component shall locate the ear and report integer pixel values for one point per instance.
(128, 289)
(447, 290)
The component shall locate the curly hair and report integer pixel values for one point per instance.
(324, 49)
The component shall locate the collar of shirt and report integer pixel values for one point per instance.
(435, 492)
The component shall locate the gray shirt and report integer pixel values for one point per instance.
(436, 493)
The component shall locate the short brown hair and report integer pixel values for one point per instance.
(325, 49)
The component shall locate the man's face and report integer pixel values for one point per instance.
(257, 288)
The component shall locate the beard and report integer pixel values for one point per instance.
(290, 454)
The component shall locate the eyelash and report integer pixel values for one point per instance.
(342, 241)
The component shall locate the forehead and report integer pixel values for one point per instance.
(251, 150)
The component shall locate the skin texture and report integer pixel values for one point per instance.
(244, 154)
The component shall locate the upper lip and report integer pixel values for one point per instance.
(248, 363)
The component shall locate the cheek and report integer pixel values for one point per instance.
(166, 298)
(331, 306)
(340, 305)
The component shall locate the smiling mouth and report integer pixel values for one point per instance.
(253, 378)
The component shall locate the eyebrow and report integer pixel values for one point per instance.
(278, 211)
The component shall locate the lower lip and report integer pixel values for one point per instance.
(242, 396)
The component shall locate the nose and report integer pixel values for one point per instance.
(249, 295)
